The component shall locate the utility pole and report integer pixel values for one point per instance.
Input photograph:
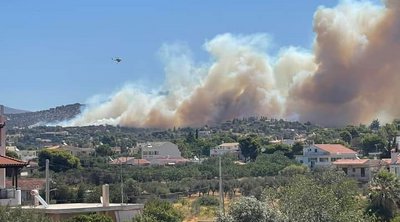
(47, 182)
(122, 185)
(221, 191)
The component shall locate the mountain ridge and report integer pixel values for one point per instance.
(43, 117)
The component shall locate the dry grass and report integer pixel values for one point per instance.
(203, 214)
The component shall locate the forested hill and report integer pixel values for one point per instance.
(58, 114)
(9, 110)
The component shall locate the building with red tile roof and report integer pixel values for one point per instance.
(335, 148)
(322, 155)
(362, 170)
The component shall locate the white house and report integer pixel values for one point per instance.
(226, 148)
(320, 155)
(394, 165)
(27, 155)
(362, 170)
(161, 153)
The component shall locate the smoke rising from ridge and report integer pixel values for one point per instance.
(351, 75)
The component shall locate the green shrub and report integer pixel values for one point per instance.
(207, 201)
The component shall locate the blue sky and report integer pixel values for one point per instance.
(59, 52)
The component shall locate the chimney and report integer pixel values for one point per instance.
(106, 195)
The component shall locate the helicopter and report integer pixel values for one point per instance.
(117, 59)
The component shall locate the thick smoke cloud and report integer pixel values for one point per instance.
(351, 75)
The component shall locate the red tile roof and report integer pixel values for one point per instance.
(6, 161)
(351, 162)
(335, 148)
(29, 184)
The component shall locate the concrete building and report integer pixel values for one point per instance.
(362, 170)
(61, 212)
(323, 155)
(154, 150)
(161, 153)
(8, 196)
(394, 162)
(26, 186)
(27, 155)
(226, 148)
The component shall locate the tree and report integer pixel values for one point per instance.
(346, 136)
(293, 169)
(320, 196)
(390, 131)
(375, 125)
(384, 196)
(249, 147)
(249, 209)
(373, 143)
(297, 148)
(12, 214)
(60, 160)
(104, 150)
(159, 210)
(12, 154)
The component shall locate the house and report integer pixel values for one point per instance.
(27, 155)
(31, 168)
(8, 196)
(116, 150)
(26, 186)
(394, 161)
(154, 150)
(323, 155)
(226, 148)
(75, 151)
(130, 161)
(362, 170)
(161, 153)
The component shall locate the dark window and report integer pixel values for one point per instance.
(354, 170)
(345, 170)
(363, 172)
(315, 150)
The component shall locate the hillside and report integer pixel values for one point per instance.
(53, 115)
(9, 110)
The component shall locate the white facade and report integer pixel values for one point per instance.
(155, 150)
(322, 155)
(27, 155)
(225, 148)
(395, 159)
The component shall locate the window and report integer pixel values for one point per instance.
(345, 170)
(312, 160)
(363, 172)
(334, 159)
(323, 159)
(354, 170)
(315, 150)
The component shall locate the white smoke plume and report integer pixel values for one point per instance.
(351, 75)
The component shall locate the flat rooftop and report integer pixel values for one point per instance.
(84, 207)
